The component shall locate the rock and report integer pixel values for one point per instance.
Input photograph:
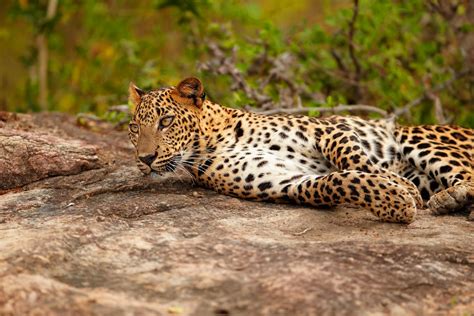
(110, 241)
(28, 156)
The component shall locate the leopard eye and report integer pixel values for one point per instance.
(166, 121)
(133, 127)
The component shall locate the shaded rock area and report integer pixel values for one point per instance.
(83, 232)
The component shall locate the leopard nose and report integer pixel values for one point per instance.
(148, 159)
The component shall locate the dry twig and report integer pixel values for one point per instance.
(120, 108)
(439, 112)
(407, 107)
(223, 65)
(271, 70)
(336, 109)
(303, 231)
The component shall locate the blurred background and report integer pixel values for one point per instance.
(411, 58)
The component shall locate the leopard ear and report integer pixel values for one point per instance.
(135, 94)
(190, 91)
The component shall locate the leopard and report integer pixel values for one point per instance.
(388, 169)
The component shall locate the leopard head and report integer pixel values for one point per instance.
(164, 122)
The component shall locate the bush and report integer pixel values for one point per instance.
(389, 54)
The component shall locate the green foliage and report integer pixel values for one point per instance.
(401, 49)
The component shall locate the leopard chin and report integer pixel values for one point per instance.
(161, 176)
(156, 175)
(154, 172)
(146, 170)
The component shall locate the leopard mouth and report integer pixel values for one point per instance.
(168, 166)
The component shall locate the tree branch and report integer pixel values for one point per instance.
(407, 107)
(336, 109)
(358, 71)
(338, 59)
(227, 66)
(43, 56)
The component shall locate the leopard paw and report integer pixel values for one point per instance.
(471, 214)
(452, 199)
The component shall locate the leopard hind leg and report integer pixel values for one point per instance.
(453, 198)
(442, 200)
(445, 154)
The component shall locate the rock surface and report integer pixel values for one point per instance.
(97, 237)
